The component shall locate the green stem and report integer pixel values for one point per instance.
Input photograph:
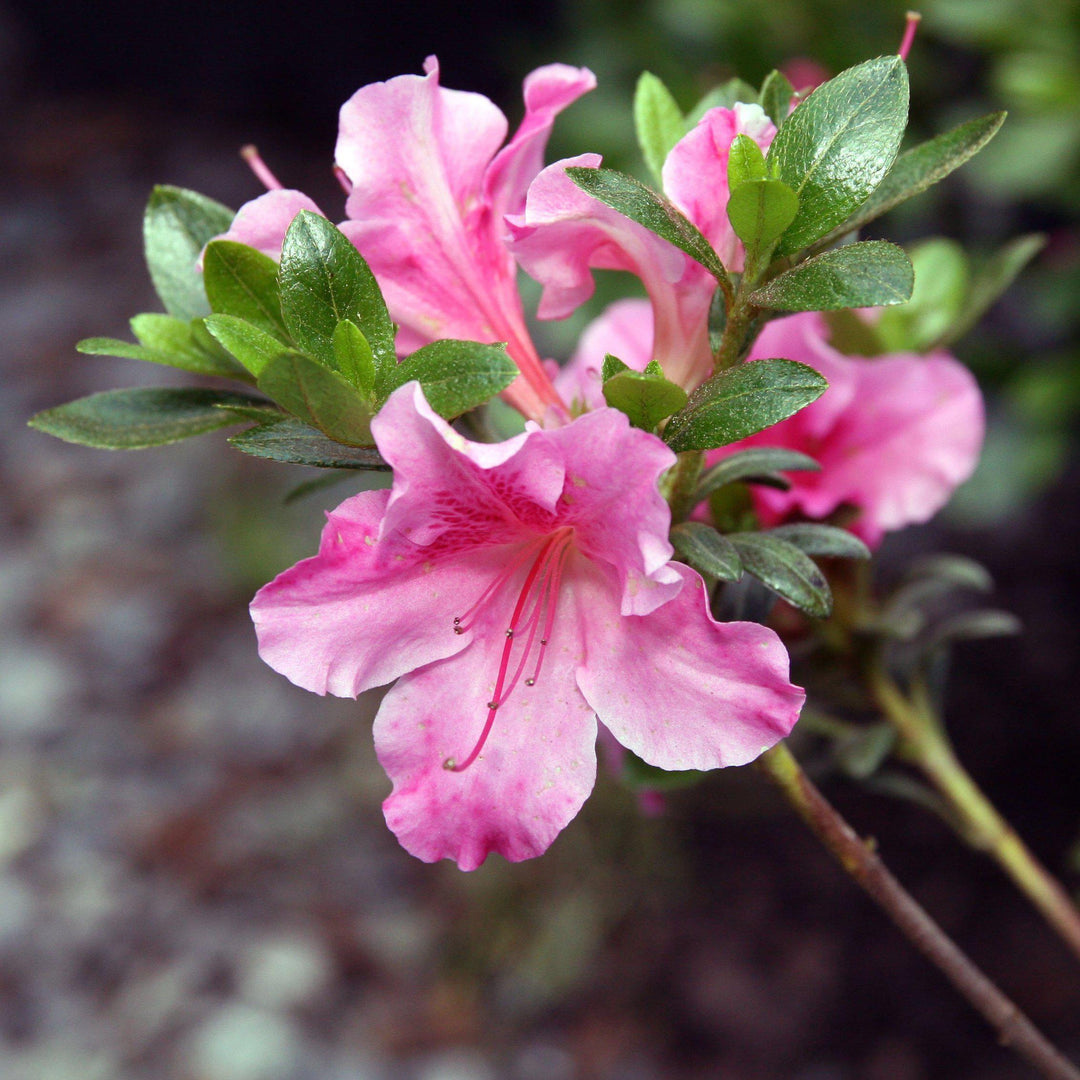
(924, 743)
(680, 484)
(856, 857)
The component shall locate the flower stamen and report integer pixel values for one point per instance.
(259, 167)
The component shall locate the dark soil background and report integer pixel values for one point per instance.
(195, 878)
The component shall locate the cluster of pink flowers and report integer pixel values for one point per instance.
(521, 592)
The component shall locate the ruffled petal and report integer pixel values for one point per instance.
(263, 222)
(564, 234)
(681, 690)
(536, 767)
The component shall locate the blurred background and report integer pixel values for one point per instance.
(196, 882)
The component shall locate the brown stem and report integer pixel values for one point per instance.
(1013, 1027)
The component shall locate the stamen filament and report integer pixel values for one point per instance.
(259, 167)
(913, 20)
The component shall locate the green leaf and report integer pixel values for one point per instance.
(941, 286)
(920, 167)
(176, 227)
(658, 121)
(639, 775)
(725, 96)
(775, 97)
(319, 397)
(457, 375)
(973, 626)
(167, 341)
(703, 548)
(323, 280)
(746, 162)
(254, 348)
(352, 356)
(646, 397)
(612, 366)
(872, 273)
(838, 144)
(814, 539)
(757, 463)
(140, 417)
(639, 203)
(786, 570)
(760, 211)
(992, 277)
(296, 443)
(243, 282)
(862, 752)
(742, 401)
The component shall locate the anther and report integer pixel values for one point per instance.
(493, 705)
(543, 641)
(449, 764)
(510, 632)
(530, 682)
(458, 630)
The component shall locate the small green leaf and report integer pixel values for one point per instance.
(941, 286)
(352, 356)
(814, 539)
(176, 227)
(703, 548)
(742, 401)
(318, 396)
(646, 397)
(760, 211)
(725, 96)
(786, 570)
(746, 162)
(775, 97)
(457, 375)
(920, 167)
(254, 348)
(637, 202)
(296, 443)
(639, 775)
(136, 418)
(323, 280)
(612, 366)
(658, 121)
(868, 274)
(757, 463)
(861, 753)
(991, 278)
(973, 626)
(243, 282)
(838, 144)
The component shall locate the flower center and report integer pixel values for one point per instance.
(534, 612)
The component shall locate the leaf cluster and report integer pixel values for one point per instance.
(312, 336)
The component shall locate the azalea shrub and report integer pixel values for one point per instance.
(675, 506)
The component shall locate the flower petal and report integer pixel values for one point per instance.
(536, 768)
(680, 689)
(263, 222)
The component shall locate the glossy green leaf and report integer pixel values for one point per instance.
(457, 375)
(873, 273)
(991, 278)
(646, 397)
(658, 121)
(136, 418)
(177, 225)
(941, 287)
(742, 401)
(703, 548)
(815, 539)
(318, 396)
(920, 167)
(252, 347)
(760, 211)
(754, 464)
(746, 162)
(243, 282)
(296, 443)
(612, 366)
(775, 97)
(838, 144)
(352, 356)
(786, 570)
(323, 280)
(639, 203)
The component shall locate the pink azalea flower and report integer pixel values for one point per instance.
(429, 188)
(564, 234)
(516, 591)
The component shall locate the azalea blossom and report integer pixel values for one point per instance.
(895, 434)
(517, 591)
(428, 192)
(564, 233)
